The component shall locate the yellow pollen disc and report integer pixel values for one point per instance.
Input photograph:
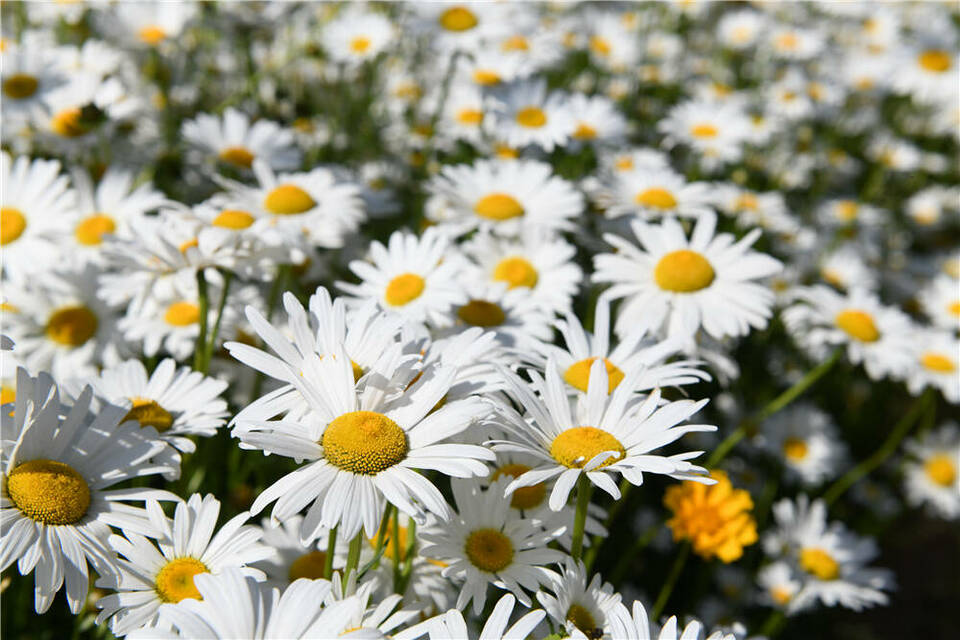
(20, 86)
(481, 313)
(237, 156)
(498, 206)
(152, 34)
(458, 19)
(683, 271)
(577, 446)
(310, 566)
(486, 77)
(68, 124)
(489, 550)
(12, 224)
(90, 231)
(516, 271)
(937, 362)
(175, 580)
(623, 164)
(583, 620)
(149, 414)
(71, 326)
(524, 497)
(288, 199)
(578, 374)
(48, 491)
(189, 244)
(360, 44)
(795, 449)
(470, 116)
(858, 325)
(600, 46)
(233, 219)
(819, 563)
(182, 314)
(404, 289)
(656, 198)
(780, 595)
(585, 132)
(515, 43)
(704, 130)
(934, 60)
(954, 308)
(505, 152)
(941, 470)
(787, 42)
(747, 202)
(364, 442)
(531, 117)
(7, 394)
(847, 210)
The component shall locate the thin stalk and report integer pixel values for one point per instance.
(889, 446)
(591, 554)
(382, 535)
(204, 305)
(671, 581)
(353, 558)
(584, 487)
(773, 624)
(395, 541)
(331, 549)
(227, 278)
(408, 556)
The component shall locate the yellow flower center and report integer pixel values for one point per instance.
(781, 595)
(458, 19)
(787, 42)
(524, 497)
(233, 219)
(515, 43)
(847, 210)
(600, 46)
(71, 326)
(683, 271)
(704, 130)
(152, 34)
(531, 117)
(404, 289)
(858, 325)
(819, 563)
(7, 394)
(584, 132)
(310, 566)
(364, 442)
(237, 156)
(516, 271)
(937, 362)
(941, 470)
(182, 314)
(360, 44)
(795, 449)
(583, 620)
(49, 491)
(934, 60)
(90, 230)
(954, 308)
(578, 374)
(175, 580)
(288, 199)
(498, 206)
(489, 550)
(577, 446)
(656, 198)
(481, 313)
(747, 202)
(20, 86)
(12, 224)
(486, 77)
(470, 117)
(149, 414)
(68, 123)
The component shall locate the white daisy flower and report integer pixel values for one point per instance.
(936, 364)
(512, 315)
(463, 113)
(605, 434)
(681, 285)
(795, 43)
(842, 212)
(767, 209)
(932, 476)
(928, 72)
(452, 626)
(486, 542)
(846, 269)
(28, 76)
(147, 25)
(357, 36)
(369, 620)
(490, 67)
(56, 505)
(612, 44)
(234, 141)
(637, 627)
(463, 25)
(651, 193)
(152, 574)
(940, 301)
(597, 120)
(523, 113)
(779, 584)
(740, 29)
(293, 559)
(805, 440)
(715, 131)
(582, 610)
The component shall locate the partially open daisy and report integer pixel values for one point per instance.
(580, 607)
(525, 114)
(638, 627)
(511, 315)
(933, 472)
(606, 434)
(452, 626)
(56, 506)
(152, 574)
(680, 285)
(232, 140)
(485, 542)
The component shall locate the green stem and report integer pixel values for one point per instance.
(204, 305)
(395, 542)
(671, 581)
(773, 624)
(227, 277)
(591, 555)
(584, 487)
(900, 430)
(775, 405)
(331, 549)
(353, 558)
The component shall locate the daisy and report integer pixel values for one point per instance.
(523, 113)
(681, 285)
(410, 276)
(56, 506)
(927, 73)
(610, 42)
(36, 200)
(233, 141)
(715, 131)
(489, 67)
(651, 193)
(597, 120)
(793, 43)
(152, 574)
(940, 301)
(767, 209)
(778, 583)
(293, 559)
(932, 477)
(842, 212)
(936, 363)
(452, 626)
(805, 440)
(878, 336)
(578, 607)
(485, 542)
(370, 620)
(364, 440)
(740, 29)
(638, 627)
(357, 36)
(606, 434)
(463, 113)
(508, 198)
(29, 75)
(148, 25)
(463, 25)
(846, 269)
(511, 315)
